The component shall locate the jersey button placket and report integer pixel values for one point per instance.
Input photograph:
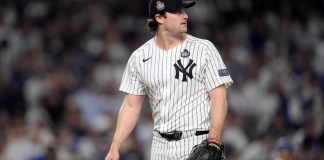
(163, 90)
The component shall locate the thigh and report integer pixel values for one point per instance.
(174, 150)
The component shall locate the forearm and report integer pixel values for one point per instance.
(127, 118)
(218, 112)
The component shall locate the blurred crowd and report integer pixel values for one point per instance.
(61, 62)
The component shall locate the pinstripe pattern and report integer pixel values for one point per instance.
(176, 104)
(174, 150)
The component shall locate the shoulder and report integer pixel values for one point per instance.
(142, 50)
(207, 48)
(199, 41)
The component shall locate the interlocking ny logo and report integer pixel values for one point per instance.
(179, 68)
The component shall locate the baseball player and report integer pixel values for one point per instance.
(184, 78)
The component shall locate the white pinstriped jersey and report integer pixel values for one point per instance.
(176, 82)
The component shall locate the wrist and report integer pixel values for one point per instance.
(214, 140)
(114, 147)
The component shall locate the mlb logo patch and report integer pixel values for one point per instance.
(223, 72)
(185, 53)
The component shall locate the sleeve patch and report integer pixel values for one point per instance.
(223, 72)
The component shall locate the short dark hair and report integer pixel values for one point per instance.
(152, 25)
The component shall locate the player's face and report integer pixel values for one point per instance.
(176, 21)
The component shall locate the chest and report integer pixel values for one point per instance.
(177, 68)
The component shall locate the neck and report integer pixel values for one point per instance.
(166, 41)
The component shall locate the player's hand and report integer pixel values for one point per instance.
(112, 155)
(208, 149)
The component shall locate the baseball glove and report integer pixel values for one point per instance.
(208, 149)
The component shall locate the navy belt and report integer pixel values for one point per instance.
(177, 135)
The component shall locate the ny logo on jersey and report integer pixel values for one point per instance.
(179, 68)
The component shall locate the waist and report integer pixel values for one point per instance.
(178, 135)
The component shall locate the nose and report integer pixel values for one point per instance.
(185, 15)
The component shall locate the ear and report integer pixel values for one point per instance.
(159, 18)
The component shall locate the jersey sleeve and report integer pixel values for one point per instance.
(131, 81)
(216, 72)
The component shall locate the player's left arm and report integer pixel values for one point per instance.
(218, 111)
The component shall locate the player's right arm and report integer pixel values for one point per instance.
(127, 118)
